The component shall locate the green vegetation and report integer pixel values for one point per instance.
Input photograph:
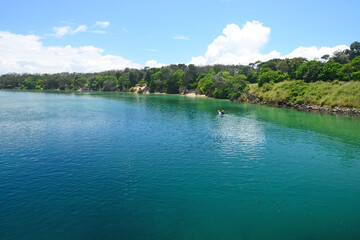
(336, 93)
(294, 80)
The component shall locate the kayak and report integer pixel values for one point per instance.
(223, 115)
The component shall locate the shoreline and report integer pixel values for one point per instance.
(343, 111)
(251, 99)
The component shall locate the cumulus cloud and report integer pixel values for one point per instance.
(103, 24)
(181, 37)
(26, 54)
(154, 64)
(243, 45)
(314, 52)
(236, 45)
(198, 61)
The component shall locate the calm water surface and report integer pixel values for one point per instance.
(125, 166)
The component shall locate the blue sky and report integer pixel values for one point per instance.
(54, 36)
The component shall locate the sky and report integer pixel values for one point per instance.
(91, 36)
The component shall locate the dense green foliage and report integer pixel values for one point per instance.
(219, 81)
(216, 81)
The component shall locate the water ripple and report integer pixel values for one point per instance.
(129, 166)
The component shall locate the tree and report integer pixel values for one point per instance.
(110, 83)
(310, 71)
(330, 71)
(91, 83)
(30, 82)
(205, 84)
(79, 82)
(227, 86)
(207, 87)
(124, 83)
(147, 77)
(117, 74)
(325, 57)
(155, 82)
(238, 86)
(355, 64)
(351, 71)
(97, 83)
(341, 57)
(51, 82)
(269, 65)
(345, 72)
(290, 66)
(175, 82)
(219, 79)
(133, 78)
(354, 50)
(165, 73)
(190, 76)
(272, 76)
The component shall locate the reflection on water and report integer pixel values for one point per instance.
(239, 136)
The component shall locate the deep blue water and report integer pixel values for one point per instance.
(126, 166)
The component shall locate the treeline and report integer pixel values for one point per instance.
(343, 65)
(219, 81)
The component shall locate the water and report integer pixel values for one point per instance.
(125, 166)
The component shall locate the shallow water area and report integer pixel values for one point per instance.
(126, 166)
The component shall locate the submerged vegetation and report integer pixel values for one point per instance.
(332, 80)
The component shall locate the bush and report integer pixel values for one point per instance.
(355, 76)
(310, 71)
(272, 76)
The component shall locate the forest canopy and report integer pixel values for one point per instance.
(219, 81)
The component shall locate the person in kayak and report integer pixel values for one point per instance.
(222, 113)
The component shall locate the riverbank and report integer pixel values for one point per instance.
(308, 107)
(332, 97)
(340, 98)
(145, 90)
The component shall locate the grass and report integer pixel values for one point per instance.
(337, 93)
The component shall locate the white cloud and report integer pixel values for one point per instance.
(242, 46)
(26, 53)
(103, 24)
(67, 30)
(60, 31)
(154, 64)
(237, 45)
(81, 28)
(198, 61)
(314, 52)
(180, 37)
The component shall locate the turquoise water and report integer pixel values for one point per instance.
(125, 166)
